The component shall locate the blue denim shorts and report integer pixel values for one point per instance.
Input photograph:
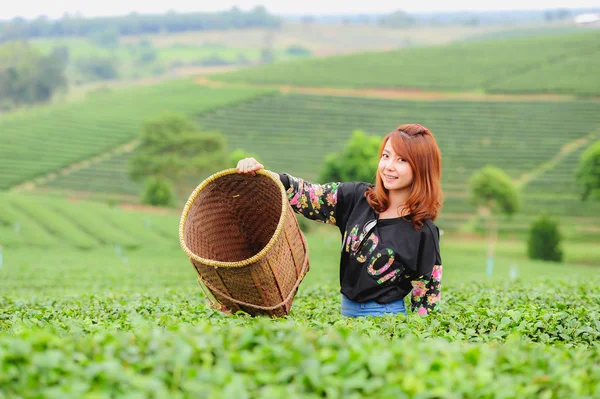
(372, 308)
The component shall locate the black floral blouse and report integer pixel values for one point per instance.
(382, 260)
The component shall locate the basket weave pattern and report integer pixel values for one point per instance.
(244, 242)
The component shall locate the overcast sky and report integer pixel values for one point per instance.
(54, 9)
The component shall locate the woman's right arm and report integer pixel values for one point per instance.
(314, 201)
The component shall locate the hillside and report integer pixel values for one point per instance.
(564, 64)
(82, 149)
(168, 54)
(43, 140)
(294, 133)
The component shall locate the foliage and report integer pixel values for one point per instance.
(357, 162)
(158, 192)
(173, 147)
(492, 187)
(588, 172)
(118, 322)
(154, 333)
(544, 240)
(135, 24)
(27, 76)
(274, 360)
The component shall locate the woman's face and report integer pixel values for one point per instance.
(395, 171)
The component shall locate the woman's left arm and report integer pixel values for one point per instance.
(426, 292)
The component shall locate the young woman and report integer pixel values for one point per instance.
(390, 245)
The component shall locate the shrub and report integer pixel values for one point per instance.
(158, 192)
(357, 161)
(544, 240)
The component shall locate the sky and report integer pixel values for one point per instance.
(54, 9)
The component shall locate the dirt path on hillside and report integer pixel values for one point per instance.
(565, 150)
(391, 93)
(67, 170)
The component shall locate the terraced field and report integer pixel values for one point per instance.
(53, 222)
(295, 132)
(44, 140)
(544, 64)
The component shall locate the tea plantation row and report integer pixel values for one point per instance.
(518, 137)
(306, 128)
(545, 64)
(475, 312)
(43, 140)
(488, 341)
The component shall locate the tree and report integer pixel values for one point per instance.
(173, 147)
(588, 172)
(357, 162)
(27, 76)
(544, 240)
(103, 29)
(492, 190)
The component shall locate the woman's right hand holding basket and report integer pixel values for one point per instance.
(249, 166)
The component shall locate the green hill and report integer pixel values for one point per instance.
(295, 132)
(565, 64)
(43, 140)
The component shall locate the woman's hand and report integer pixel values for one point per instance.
(249, 166)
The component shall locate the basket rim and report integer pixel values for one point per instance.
(245, 262)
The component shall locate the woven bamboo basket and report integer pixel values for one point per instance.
(243, 239)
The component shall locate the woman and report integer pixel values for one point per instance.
(390, 245)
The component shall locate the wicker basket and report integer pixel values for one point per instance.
(244, 242)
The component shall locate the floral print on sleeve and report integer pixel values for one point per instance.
(313, 201)
(426, 293)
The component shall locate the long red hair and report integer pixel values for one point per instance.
(417, 145)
